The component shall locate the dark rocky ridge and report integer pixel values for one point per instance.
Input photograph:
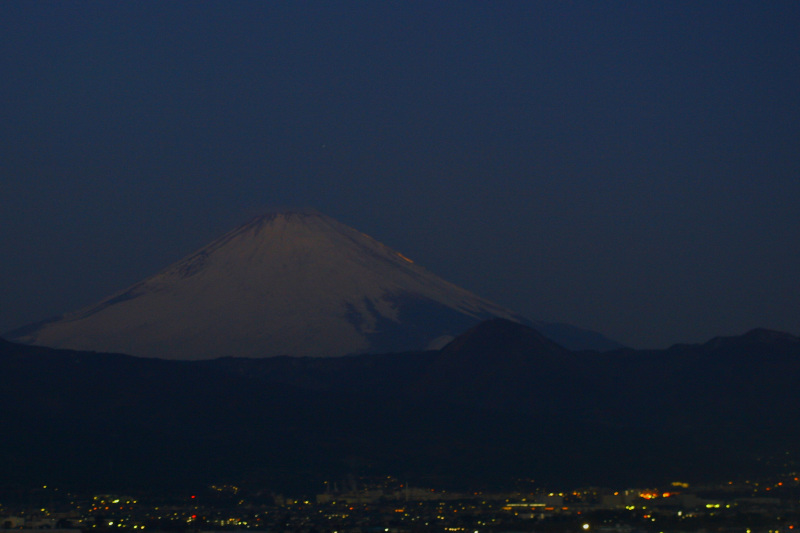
(500, 402)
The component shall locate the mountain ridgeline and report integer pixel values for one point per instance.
(499, 403)
(287, 283)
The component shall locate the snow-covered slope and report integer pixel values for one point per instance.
(287, 283)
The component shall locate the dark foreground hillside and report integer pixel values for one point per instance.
(499, 403)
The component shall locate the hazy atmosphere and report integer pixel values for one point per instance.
(629, 167)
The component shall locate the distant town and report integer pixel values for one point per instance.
(386, 504)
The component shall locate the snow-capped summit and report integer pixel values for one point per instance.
(287, 283)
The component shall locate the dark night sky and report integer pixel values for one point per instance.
(630, 167)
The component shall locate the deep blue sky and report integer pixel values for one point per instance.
(630, 167)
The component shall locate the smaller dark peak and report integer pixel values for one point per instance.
(500, 364)
(500, 334)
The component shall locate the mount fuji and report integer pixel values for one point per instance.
(293, 283)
